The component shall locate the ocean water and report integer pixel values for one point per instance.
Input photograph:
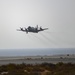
(35, 52)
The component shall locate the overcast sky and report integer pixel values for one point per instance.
(57, 15)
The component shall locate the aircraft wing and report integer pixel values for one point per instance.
(42, 29)
(22, 30)
(18, 29)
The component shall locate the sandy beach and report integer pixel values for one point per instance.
(37, 59)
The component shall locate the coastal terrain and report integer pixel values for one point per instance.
(69, 58)
(38, 65)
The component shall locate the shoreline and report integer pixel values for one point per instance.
(36, 59)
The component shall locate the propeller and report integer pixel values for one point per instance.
(26, 30)
(40, 28)
(21, 28)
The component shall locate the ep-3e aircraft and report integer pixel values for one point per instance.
(32, 29)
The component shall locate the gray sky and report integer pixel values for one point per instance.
(57, 15)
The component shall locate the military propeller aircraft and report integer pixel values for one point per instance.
(32, 29)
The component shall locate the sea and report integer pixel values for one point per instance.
(36, 51)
